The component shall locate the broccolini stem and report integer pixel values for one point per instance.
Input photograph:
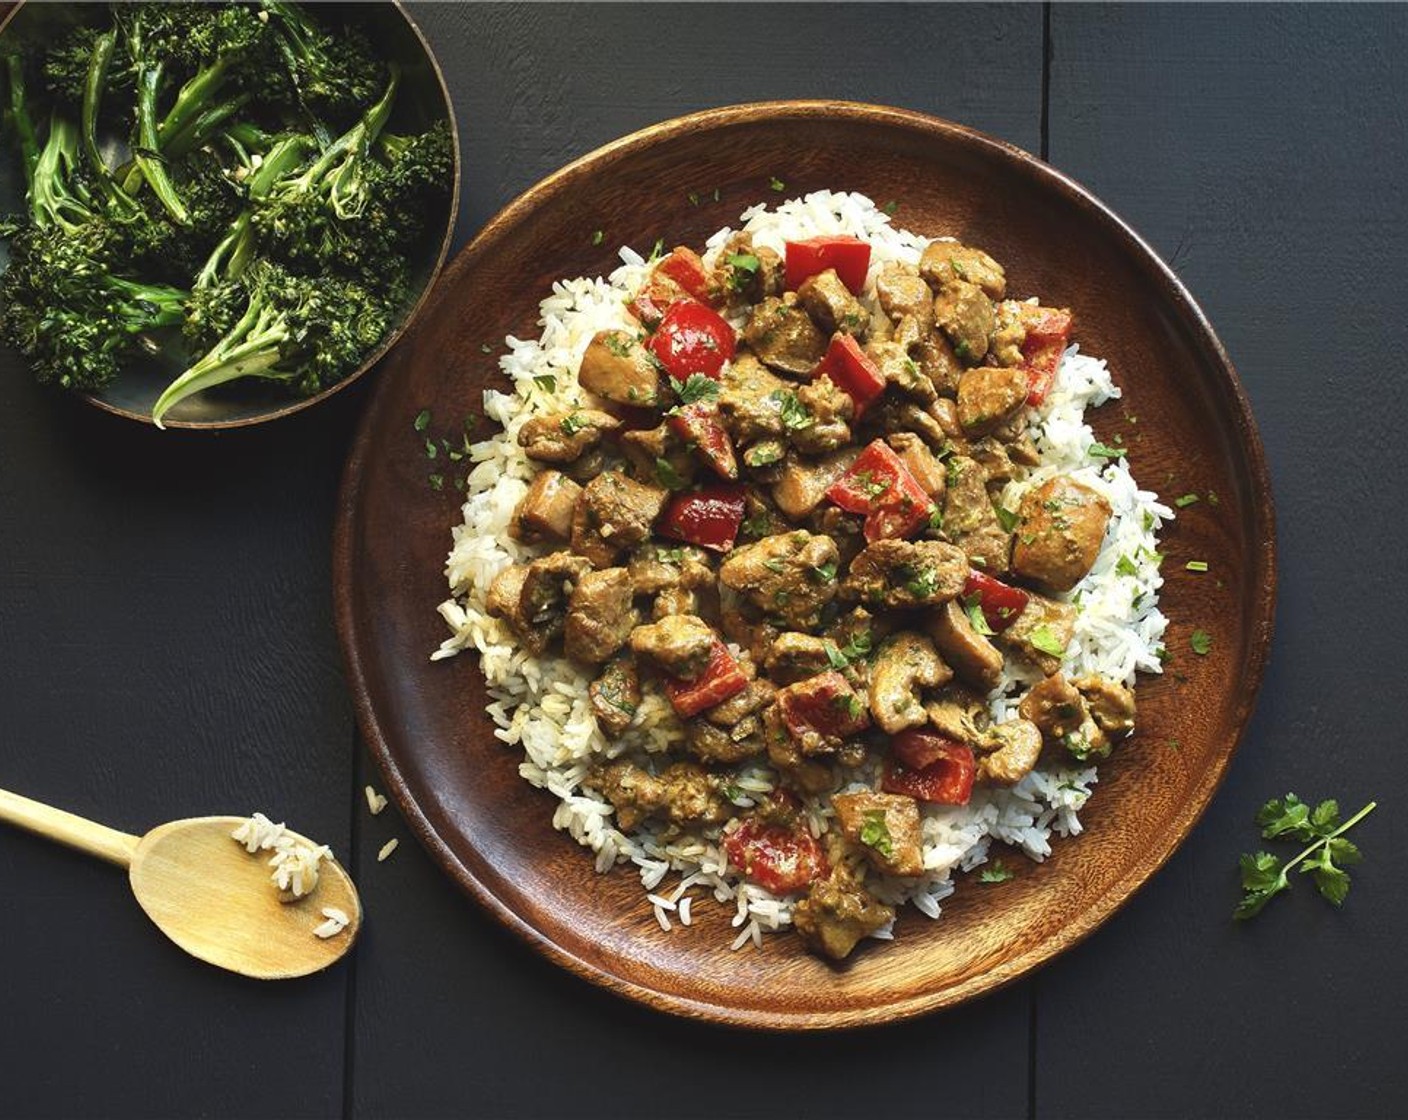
(199, 129)
(19, 111)
(145, 150)
(261, 334)
(191, 100)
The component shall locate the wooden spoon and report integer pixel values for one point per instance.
(209, 895)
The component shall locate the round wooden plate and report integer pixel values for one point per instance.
(425, 722)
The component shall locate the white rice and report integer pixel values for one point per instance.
(540, 705)
(375, 801)
(337, 921)
(295, 861)
(386, 849)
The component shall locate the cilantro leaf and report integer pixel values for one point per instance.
(1200, 641)
(696, 387)
(795, 416)
(1006, 518)
(777, 184)
(973, 608)
(1280, 817)
(422, 420)
(668, 477)
(875, 833)
(1185, 501)
(1045, 640)
(997, 873)
(1098, 450)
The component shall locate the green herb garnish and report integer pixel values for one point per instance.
(695, 388)
(1200, 641)
(1126, 567)
(889, 208)
(875, 833)
(598, 237)
(1324, 858)
(998, 872)
(668, 477)
(1196, 565)
(777, 184)
(437, 481)
(1099, 450)
(546, 382)
(1006, 518)
(1045, 640)
(1185, 501)
(422, 420)
(572, 423)
(973, 608)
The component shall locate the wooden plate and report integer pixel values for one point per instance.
(1194, 433)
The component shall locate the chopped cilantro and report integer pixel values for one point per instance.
(890, 207)
(824, 573)
(668, 477)
(775, 565)
(997, 873)
(430, 449)
(437, 481)
(1149, 520)
(695, 388)
(546, 382)
(673, 556)
(485, 348)
(1196, 565)
(1099, 450)
(693, 197)
(1185, 501)
(777, 184)
(1126, 567)
(422, 420)
(743, 262)
(875, 833)
(936, 519)
(1045, 640)
(973, 608)
(763, 454)
(922, 583)
(795, 417)
(572, 423)
(1006, 518)
(1200, 641)
(598, 237)
(1213, 499)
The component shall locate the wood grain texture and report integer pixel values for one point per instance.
(424, 721)
(1262, 150)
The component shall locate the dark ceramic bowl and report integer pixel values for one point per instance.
(421, 101)
(459, 787)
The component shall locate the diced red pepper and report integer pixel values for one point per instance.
(692, 338)
(880, 486)
(777, 858)
(849, 367)
(1048, 335)
(825, 704)
(720, 679)
(699, 426)
(679, 275)
(849, 256)
(929, 768)
(686, 269)
(1000, 602)
(708, 517)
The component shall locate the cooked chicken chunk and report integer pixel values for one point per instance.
(613, 514)
(658, 454)
(838, 911)
(960, 714)
(790, 576)
(803, 483)
(1111, 703)
(884, 826)
(785, 754)
(683, 794)
(964, 314)
(532, 598)
(1009, 332)
(1055, 706)
(599, 616)
(904, 666)
(947, 262)
(616, 366)
(989, 397)
(656, 567)
(1012, 751)
(1043, 627)
(1062, 525)
(914, 453)
(969, 518)
(562, 437)
(679, 645)
(901, 371)
(830, 303)
(902, 293)
(545, 513)
(732, 731)
(829, 411)
(937, 361)
(784, 337)
(973, 657)
(750, 400)
(794, 657)
(894, 413)
(615, 695)
(907, 573)
(746, 273)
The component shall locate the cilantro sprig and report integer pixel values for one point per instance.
(1324, 858)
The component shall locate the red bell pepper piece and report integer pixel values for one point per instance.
(692, 338)
(686, 269)
(777, 858)
(1000, 602)
(720, 679)
(699, 426)
(880, 486)
(708, 517)
(849, 256)
(825, 704)
(929, 768)
(1048, 335)
(849, 367)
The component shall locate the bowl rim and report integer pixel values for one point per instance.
(392, 337)
(1262, 514)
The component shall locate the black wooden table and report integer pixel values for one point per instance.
(168, 647)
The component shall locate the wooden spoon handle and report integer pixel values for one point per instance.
(85, 835)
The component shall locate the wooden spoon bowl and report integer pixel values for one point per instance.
(425, 722)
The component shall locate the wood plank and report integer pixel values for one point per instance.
(1262, 150)
(452, 1014)
(168, 652)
